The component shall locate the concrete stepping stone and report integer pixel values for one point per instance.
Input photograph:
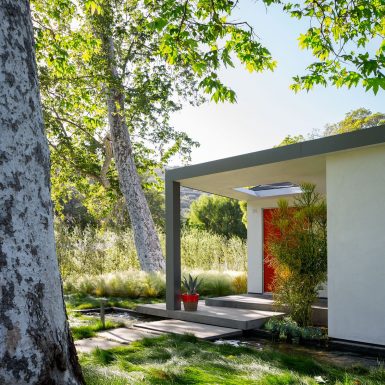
(112, 338)
(125, 335)
(202, 331)
(88, 344)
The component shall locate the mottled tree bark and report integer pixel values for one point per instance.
(36, 346)
(146, 237)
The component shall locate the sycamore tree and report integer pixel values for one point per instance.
(354, 120)
(75, 111)
(113, 72)
(36, 344)
(347, 38)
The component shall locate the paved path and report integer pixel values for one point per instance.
(86, 345)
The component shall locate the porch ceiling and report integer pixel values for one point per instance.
(310, 169)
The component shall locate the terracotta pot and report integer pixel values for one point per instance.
(190, 302)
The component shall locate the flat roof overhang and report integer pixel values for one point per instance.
(296, 163)
(296, 171)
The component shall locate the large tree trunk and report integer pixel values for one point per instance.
(146, 237)
(36, 346)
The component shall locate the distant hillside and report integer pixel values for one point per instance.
(187, 195)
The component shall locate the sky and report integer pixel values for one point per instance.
(266, 109)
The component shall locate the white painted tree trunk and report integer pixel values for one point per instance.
(146, 237)
(35, 342)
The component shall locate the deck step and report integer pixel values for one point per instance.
(265, 303)
(246, 301)
(243, 319)
(201, 331)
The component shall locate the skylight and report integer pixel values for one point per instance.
(271, 190)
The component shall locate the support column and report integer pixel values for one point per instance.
(173, 261)
(254, 248)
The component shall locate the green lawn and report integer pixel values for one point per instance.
(91, 326)
(185, 360)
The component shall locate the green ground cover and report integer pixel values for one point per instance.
(91, 326)
(84, 301)
(184, 360)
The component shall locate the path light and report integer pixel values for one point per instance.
(103, 302)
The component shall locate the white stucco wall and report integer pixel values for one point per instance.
(356, 245)
(254, 248)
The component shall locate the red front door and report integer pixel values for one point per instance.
(269, 230)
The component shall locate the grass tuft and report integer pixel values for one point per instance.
(378, 374)
(133, 286)
(103, 357)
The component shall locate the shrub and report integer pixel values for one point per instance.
(240, 284)
(218, 215)
(154, 285)
(216, 285)
(287, 329)
(299, 253)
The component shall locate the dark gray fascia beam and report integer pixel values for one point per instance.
(329, 144)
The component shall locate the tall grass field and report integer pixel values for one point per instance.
(95, 252)
(104, 263)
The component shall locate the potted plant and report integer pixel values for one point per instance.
(191, 297)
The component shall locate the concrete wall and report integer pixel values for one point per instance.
(356, 245)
